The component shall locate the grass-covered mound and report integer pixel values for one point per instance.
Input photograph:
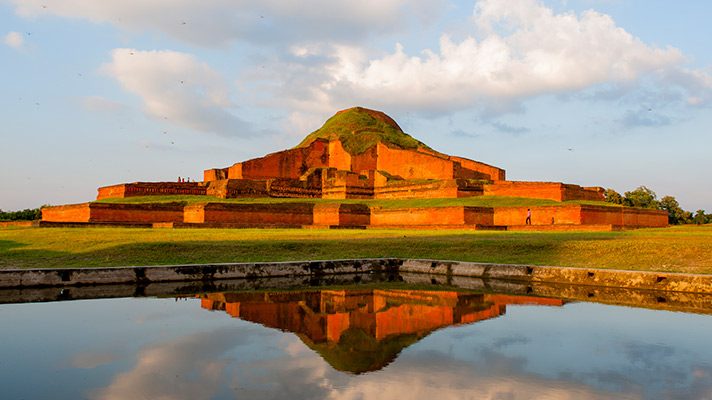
(359, 129)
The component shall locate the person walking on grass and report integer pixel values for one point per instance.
(529, 217)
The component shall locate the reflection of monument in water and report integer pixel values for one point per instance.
(363, 330)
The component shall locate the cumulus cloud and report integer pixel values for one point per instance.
(186, 368)
(220, 22)
(518, 50)
(177, 88)
(14, 40)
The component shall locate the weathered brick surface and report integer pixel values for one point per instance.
(418, 190)
(67, 213)
(237, 188)
(341, 215)
(543, 190)
(105, 212)
(151, 189)
(283, 213)
(418, 216)
(470, 169)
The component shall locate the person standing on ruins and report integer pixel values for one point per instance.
(529, 217)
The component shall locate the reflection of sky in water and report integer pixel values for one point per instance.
(160, 348)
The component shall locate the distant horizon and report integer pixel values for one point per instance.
(615, 94)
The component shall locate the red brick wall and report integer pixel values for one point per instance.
(543, 190)
(418, 216)
(574, 192)
(103, 212)
(599, 215)
(68, 213)
(338, 157)
(150, 189)
(541, 215)
(535, 190)
(277, 214)
(368, 160)
(354, 215)
(215, 174)
(410, 164)
(479, 216)
(637, 217)
(237, 188)
(326, 214)
(285, 164)
(417, 190)
(474, 170)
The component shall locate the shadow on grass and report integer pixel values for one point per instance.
(526, 248)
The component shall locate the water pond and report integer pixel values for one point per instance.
(371, 341)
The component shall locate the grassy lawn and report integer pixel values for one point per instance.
(676, 249)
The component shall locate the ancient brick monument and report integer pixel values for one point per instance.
(357, 154)
(383, 321)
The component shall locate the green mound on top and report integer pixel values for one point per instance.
(359, 129)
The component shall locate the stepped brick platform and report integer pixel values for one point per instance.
(357, 154)
(335, 215)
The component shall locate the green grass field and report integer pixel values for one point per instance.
(677, 249)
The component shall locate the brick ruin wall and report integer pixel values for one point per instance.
(636, 217)
(106, 212)
(300, 214)
(151, 189)
(417, 190)
(342, 214)
(543, 190)
(418, 216)
(581, 214)
(406, 164)
(470, 169)
(237, 188)
(541, 215)
(409, 164)
(67, 213)
(289, 164)
(276, 214)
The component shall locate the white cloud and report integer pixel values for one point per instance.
(522, 49)
(189, 367)
(177, 88)
(219, 22)
(14, 40)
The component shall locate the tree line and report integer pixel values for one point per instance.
(646, 198)
(24, 215)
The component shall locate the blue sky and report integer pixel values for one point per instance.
(611, 93)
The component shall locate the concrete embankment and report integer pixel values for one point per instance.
(658, 281)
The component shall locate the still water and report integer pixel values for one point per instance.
(355, 343)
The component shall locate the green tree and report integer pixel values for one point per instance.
(675, 212)
(687, 217)
(613, 197)
(24, 215)
(700, 218)
(642, 197)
